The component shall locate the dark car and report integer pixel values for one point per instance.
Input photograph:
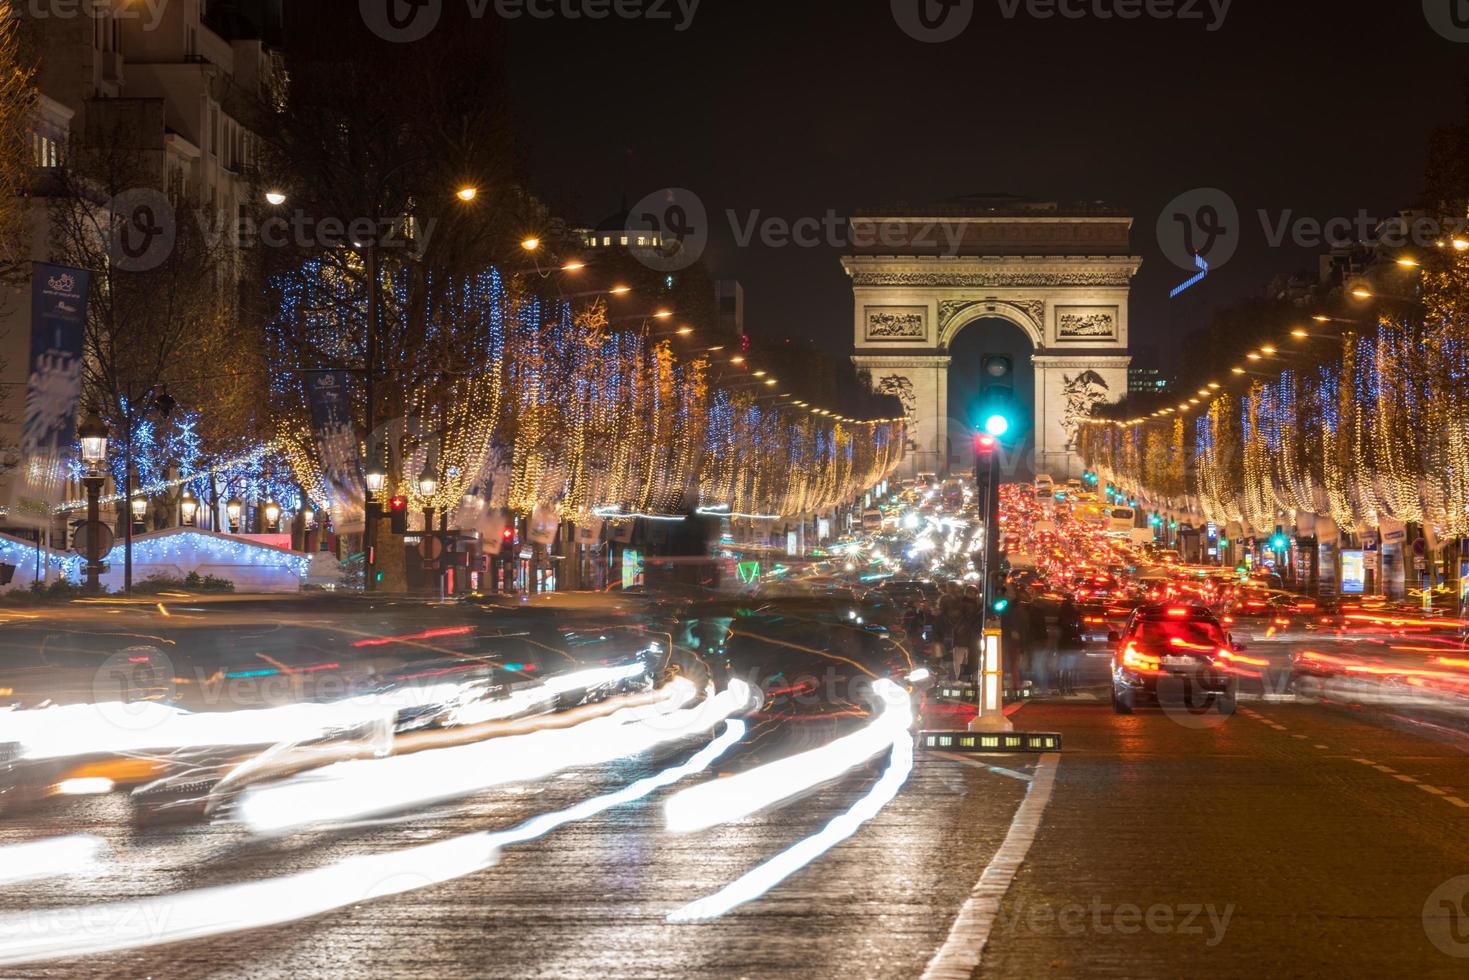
(1183, 648)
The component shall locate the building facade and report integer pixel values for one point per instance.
(1061, 275)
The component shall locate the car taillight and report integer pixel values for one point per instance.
(1140, 661)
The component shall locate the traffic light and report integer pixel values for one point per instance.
(998, 415)
(985, 445)
(1280, 542)
(398, 512)
(1001, 600)
(507, 539)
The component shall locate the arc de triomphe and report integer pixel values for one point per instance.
(1062, 275)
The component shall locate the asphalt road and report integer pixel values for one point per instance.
(1298, 838)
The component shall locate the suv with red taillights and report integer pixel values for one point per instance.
(1182, 647)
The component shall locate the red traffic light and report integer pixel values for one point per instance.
(398, 504)
(985, 443)
(508, 534)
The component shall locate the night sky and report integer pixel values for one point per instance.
(793, 108)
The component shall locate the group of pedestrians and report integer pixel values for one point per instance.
(1046, 653)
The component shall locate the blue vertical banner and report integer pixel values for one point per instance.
(331, 424)
(37, 483)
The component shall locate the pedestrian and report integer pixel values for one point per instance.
(1041, 648)
(966, 632)
(948, 620)
(1069, 622)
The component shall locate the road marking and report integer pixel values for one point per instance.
(1301, 737)
(1323, 746)
(998, 770)
(1387, 769)
(960, 954)
(1432, 789)
(1365, 762)
(1457, 802)
(1406, 779)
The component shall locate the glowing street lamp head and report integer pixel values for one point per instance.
(997, 425)
(467, 194)
(531, 244)
(275, 198)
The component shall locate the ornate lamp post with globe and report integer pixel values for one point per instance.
(93, 434)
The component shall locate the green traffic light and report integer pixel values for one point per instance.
(997, 425)
(1001, 605)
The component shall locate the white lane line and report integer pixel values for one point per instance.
(1406, 779)
(1457, 802)
(1323, 746)
(1386, 769)
(1365, 762)
(960, 954)
(1432, 789)
(998, 770)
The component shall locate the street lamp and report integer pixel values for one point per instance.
(275, 198)
(188, 507)
(467, 194)
(428, 482)
(272, 514)
(140, 509)
(376, 478)
(234, 509)
(93, 435)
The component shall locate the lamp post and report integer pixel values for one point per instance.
(139, 508)
(93, 435)
(272, 515)
(428, 482)
(188, 510)
(375, 479)
(233, 509)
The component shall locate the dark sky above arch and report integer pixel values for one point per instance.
(1318, 108)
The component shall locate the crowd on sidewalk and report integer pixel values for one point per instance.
(1043, 649)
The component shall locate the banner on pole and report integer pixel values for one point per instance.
(37, 481)
(330, 401)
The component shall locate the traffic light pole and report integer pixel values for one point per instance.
(989, 682)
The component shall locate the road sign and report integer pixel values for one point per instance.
(89, 532)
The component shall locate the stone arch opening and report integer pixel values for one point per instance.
(967, 346)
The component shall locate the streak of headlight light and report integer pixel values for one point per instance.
(116, 728)
(51, 858)
(40, 934)
(761, 879)
(726, 800)
(367, 788)
(518, 701)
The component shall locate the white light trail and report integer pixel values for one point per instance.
(52, 858)
(367, 788)
(41, 934)
(523, 700)
(761, 879)
(726, 800)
